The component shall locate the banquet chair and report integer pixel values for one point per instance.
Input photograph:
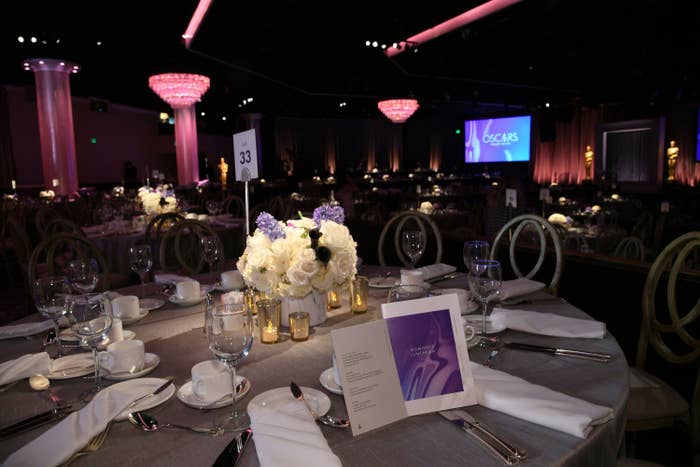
(397, 224)
(233, 205)
(61, 224)
(653, 403)
(15, 245)
(181, 249)
(631, 248)
(160, 224)
(531, 224)
(43, 216)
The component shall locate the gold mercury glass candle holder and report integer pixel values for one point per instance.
(358, 294)
(334, 299)
(269, 315)
(299, 325)
(252, 295)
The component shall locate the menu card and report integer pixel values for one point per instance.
(411, 362)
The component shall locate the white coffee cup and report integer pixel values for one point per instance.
(126, 306)
(411, 277)
(187, 290)
(469, 332)
(211, 380)
(123, 356)
(336, 373)
(232, 280)
(116, 332)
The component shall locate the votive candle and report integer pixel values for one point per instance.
(269, 315)
(358, 294)
(299, 325)
(334, 299)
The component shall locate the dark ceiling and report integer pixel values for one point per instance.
(305, 57)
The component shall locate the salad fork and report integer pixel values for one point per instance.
(93, 445)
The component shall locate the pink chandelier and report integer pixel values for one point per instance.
(398, 110)
(179, 89)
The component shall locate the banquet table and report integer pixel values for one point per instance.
(176, 335)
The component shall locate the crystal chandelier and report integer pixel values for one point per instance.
(398, 110)
(179, 89)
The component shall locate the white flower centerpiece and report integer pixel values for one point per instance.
(158, 200)
(300, 260)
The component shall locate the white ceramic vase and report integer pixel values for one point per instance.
(314, 304)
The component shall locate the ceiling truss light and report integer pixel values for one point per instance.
(196, 20)
(398, 110)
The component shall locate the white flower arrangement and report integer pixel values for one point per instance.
(157, 200)
(294, 258)
(47, 194)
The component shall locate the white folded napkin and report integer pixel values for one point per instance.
(56, 445)
(517, 287)
(24, 329)
(436, 270)
(169, 278)
(547, 324)
(518, 398)
(288, 436)
(71, 362)
(24, 367)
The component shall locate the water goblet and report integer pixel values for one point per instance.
(211, 250)
(473, 250)
(141, 261)
(83, 274)
(413, 245)
(51, 296)
(229, 330)
(91, 318)
(484, 283)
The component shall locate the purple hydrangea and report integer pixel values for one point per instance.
(269, 226)
(329, 213)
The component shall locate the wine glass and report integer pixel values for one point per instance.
(211, 250)
(413, 245)
(141, 261)
(484, 282)
(91, 318)
(51, 299)
(473, 250)
(83, 275)
(230, 334)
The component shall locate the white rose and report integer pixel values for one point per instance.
(335, 236)
(303, 268)
(259, 258)
(326, 278)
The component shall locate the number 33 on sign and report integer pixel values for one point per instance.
(246, 155)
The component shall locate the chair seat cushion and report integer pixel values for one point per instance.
(653, 403)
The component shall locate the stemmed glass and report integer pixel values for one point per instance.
(83, 275)
(211, 250)
(413, 245)
(91, 315)
(230, 334)
(141, 261)
(51, 295)
(485, 282)
(473, 250)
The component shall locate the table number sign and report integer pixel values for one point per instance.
(245, 150)
(414, 361)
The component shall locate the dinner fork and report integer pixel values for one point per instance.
(93, 445)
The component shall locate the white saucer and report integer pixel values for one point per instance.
(221, 288)
(279, 396)
(188, 398)
(148, 304)
(128, 321)
(186, 302)
(383, 282)
(476, 321)
(140, 387)
(328, 381)
(151, 361)
(74, 366)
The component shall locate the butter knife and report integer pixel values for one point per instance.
(35, 421)
(598, 357)
(168, 381)
(231, 453)
(496, 448)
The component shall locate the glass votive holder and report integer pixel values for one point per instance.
(358, 294)
(334, 299)
(251, 297)
(299, 325)
(269, 315)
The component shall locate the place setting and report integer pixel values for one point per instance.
(124, 360)
(127, 309)
(210, 386)
(187, 293)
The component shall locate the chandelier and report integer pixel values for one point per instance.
(179, 89)
(398, 110)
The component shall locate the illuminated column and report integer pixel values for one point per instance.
(55, 115)
(181, 91)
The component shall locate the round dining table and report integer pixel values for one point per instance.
(175, 333)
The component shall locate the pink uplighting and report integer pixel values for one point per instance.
(181, 91)
(195, 21)
(398, 110)
(457, 22)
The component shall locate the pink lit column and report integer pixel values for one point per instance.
(55, 115)
(181, 91)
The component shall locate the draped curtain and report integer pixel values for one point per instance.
(396, 148)
(563, 159)
(328, 149)
(286, 144)
(7, 161)
(371, 147)
(435, 150)
(682, 127)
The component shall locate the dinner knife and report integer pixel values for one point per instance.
(231, 453)
(168, 381)
(35, 421)
(496, 448)
(517, 452)
(598, 357)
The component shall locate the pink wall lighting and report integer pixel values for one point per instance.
(398, 110)
(55, 115)
(181, 91)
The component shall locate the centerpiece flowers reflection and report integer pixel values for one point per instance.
(300, 260)
(158, 200)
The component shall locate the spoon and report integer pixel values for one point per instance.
(239, 388)
(148, 423)
(325, 419)
(49, 339)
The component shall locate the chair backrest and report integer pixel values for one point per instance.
(15, 241)
(234, 205)
(160, 224)
(631, 248)
(62, 225)
(655, 325)
(544, 230)
(181, 248)
(44, 215)
(57, 250)
(397, 224)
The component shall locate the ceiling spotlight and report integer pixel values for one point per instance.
(43, 42)
(58, 41)
(41, 62)
(383, 46)
(546, 104)
(63, 64)
(395, 45)
(375, 44)
(99, 43)
(32, 40)
(223, 118)
(368, 43)
(202, 114)
(250, 99)
(20, 39)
